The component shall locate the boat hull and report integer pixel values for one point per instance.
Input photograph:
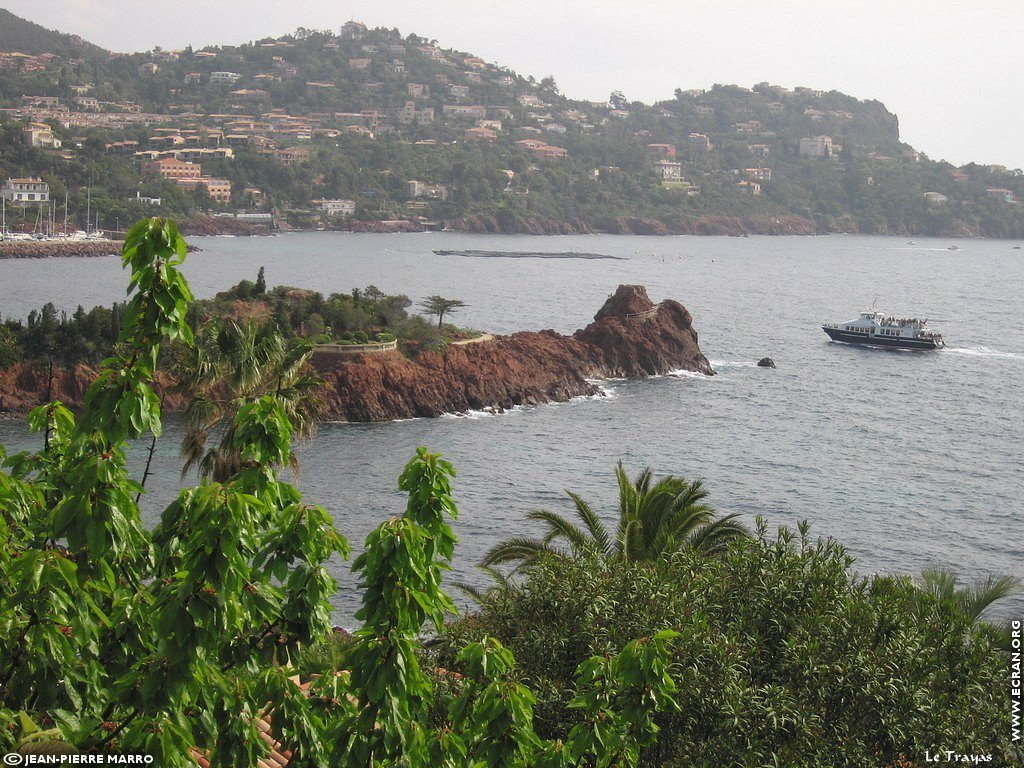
(889, 342)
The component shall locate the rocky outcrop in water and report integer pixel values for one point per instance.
(630, 337)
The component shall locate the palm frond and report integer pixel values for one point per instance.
(559, 527)
(715, 537)
(977, 598)
(500, 582)
(602, 539)
(519, 550)
(631, 545)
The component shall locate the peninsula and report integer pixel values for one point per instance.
(630, 337)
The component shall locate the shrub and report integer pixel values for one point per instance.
(785, 657)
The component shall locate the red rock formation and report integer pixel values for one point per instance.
(25, 385)
(630, 336)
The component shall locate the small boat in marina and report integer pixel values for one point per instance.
(877, 330)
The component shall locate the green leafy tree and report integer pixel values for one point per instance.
(785, 656)
(162, 642)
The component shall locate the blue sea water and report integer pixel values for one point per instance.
(910, 459)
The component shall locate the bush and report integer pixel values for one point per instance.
(10, 353)
(785, 656)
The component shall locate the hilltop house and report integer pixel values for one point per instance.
(668, 170)
(664, 151)
(40, 135)
(172, 168)
(424, 189)
(224, 78)
(817, 146)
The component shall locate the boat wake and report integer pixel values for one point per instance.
(985, 352)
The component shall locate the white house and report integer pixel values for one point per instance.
(337, 207)
(224, 78)
(30, 190)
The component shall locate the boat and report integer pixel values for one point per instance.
(878, 330)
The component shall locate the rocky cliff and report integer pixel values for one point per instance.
(25, 385)
(630, 337)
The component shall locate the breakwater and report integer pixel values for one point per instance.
(50, 249)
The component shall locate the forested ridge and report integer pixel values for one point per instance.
(413, 132)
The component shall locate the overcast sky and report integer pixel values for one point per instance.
(951, 71)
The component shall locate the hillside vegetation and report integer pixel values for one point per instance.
(401, 130)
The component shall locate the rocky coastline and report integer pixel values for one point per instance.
(630, 337)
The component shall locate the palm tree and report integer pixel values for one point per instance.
(233, 364)
(972, 600)
(656, 519)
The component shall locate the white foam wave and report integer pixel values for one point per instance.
(485, 413)
(985, 352)
(603, 393)
(682, 373)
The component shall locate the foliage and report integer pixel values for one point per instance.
(233, 364)
(973, 600)
(179, 641)
(440, 306)
(124, 639)
(608, 182)
(84, 337)
(655, 519)
(784, 656)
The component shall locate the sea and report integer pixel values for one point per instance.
(909, 459)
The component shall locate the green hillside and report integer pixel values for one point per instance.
(17, 34)
(408, 131)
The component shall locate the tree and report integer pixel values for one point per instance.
(157, 641)
(973, 600)
(655, 520)
(787, 656)
(440, 306)
(231, 365)
(261, 283)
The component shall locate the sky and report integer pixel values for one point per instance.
(950, 70)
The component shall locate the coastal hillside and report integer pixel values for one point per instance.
(375, 130)
(23, 36)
